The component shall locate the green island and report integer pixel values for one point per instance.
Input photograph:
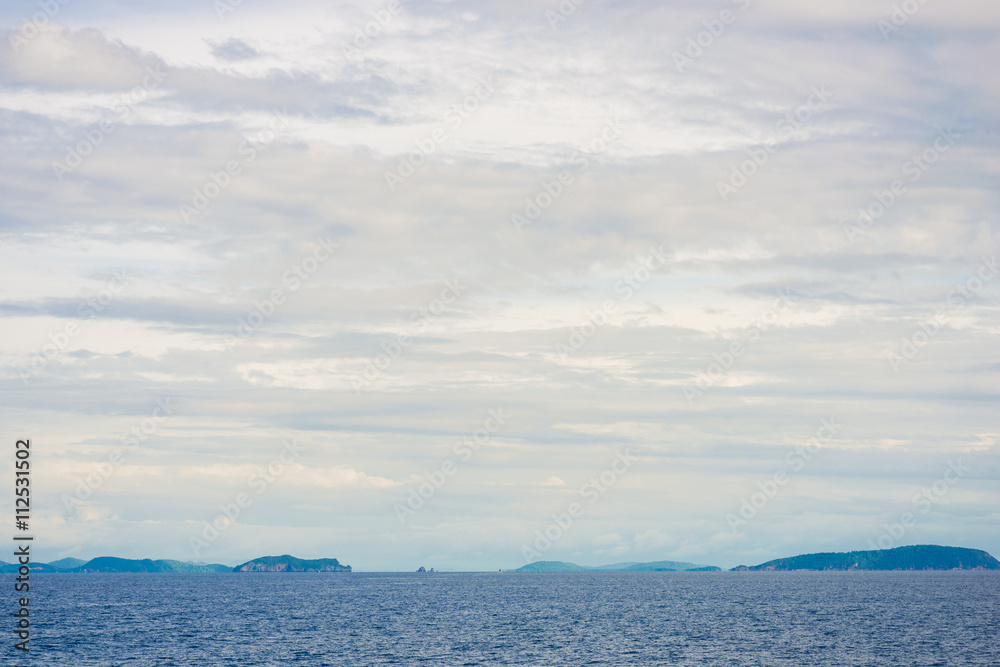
(920, 557)
(291, 564)
(284, 563)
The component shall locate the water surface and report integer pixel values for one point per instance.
(587, 618)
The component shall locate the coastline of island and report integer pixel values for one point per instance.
(908, 558)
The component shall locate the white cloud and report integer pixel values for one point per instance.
(324, 175)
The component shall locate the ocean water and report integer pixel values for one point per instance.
(591, 618)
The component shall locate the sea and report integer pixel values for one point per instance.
(587, 618)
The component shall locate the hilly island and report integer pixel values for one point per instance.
(656, 566)
(921, 557)
(284, 563)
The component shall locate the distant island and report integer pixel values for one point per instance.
(656, 566)
(112, 564)
(922, 557)
(291, 564)
(284, 563)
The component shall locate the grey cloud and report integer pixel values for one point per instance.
(234, 50)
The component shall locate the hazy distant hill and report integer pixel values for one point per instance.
(923, 557)
(288, 563)
(61, 565)
(112, 564)
(12, 568)
(553, 566)
(656, 566)
(67, 563)
(671, 566)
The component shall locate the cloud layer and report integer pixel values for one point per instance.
(688, 233)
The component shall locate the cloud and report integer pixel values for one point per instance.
(618, 380)
(234, 50)
(60, 57)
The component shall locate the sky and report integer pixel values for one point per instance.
(470, 285)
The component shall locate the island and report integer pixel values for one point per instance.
(655, 566)
(288, 563)
(111, 564)
(920, 557)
